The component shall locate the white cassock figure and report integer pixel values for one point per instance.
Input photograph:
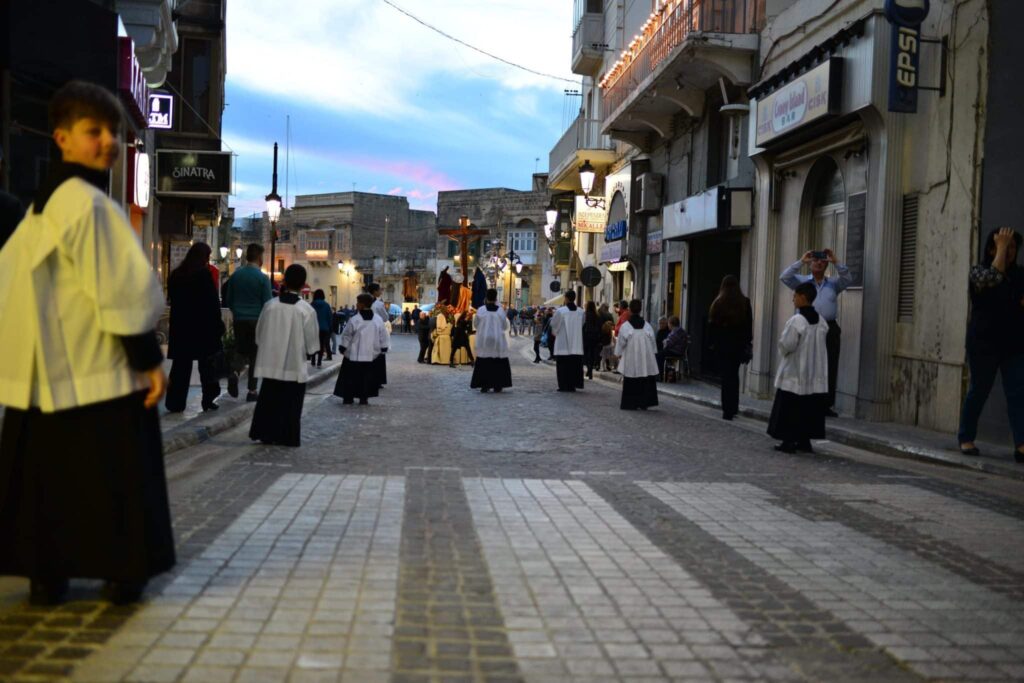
(363, 340)
(567, 326)
(381, 311)
(492, 369)
(636, 348)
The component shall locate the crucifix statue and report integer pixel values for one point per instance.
(463, 235)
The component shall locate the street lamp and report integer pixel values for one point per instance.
(587, 176)
(551, 212)
(223, 252)
(274, 214)
(238, 253)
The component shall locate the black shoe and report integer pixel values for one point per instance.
(364, 402)
(47, 592)
(497, 390)
(726, 416)
(251, 396)
(123, 592)
(973, 450)
(348, 401)
(536, 360)
(785, 447)
(451, 365)
(210, 406)
(483, 390)
(233, 385)
(831, 413)
(805, 446)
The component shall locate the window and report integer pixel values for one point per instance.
(522, 242)
(317, 242)
(908, 259)
(195, 85)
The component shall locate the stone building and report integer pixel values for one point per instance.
(347, 239)
(516, 218)
(702, 171)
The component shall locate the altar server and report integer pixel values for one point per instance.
(492, 369)
(567, 326)
(380, 310)
(286, 335)
(362, 341)
(636, 348)
(82, 486)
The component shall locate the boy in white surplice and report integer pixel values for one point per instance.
(286, 335)
(363, 341)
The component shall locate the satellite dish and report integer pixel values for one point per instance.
(556, 286)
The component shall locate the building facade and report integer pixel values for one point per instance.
(513, 217)
(731, 136)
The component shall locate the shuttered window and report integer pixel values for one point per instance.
(908, 259)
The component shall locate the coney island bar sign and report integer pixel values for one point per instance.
(192, 173)
(809, 97)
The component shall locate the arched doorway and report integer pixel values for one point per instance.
(620, 274)
(826, 200)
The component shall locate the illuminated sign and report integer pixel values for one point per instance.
(809, 97)
(589, 219)
(615, 231)
(193, 173)
(161, 111)
(141, 179)
(132, 82)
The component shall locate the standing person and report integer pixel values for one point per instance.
(492, 369)
(548, 318)
(461, 330)
(730, 333)
(801, 382)
(287, 333)
(363, 339)
(608, 347)
(623, 316)
(826, 304)
(196, 329)
(605, 314)
(636, 350)
(82, 486)
(591, 338)
(659, 338)
(567, 326)
(513, 317)
(415, 317)
(248, 290)
(323, 320)
(539, 325)
(423, 334)
(380, 310)
(406, 321)
(995, 338)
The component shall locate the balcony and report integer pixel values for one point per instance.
(681, 51)
(581, 141)
(586, 59)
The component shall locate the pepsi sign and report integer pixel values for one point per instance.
(906, 17)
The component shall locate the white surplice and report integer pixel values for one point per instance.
(803, 368)
(363, 340)
(286, 335)
(567, 326)
(491, 333)
(636, 350)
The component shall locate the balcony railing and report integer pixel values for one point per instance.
(669, 27)
(581, 134)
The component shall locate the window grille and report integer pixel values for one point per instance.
(908, 259)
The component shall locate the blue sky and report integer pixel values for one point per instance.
(378, 100)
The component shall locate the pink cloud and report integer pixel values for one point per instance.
(408, 171)
(395, 191)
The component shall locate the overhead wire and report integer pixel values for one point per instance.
(474, 47)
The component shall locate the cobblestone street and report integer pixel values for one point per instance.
(444, 535)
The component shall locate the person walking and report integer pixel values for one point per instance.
(423, 335)
(591, 338)
(287, 333)
(492, 369)
(513, 316)
(539, 326)
(323, 321)
(83, 492)
(248, 291)
(363, 339)
(995, 338)
(461, 330)
(730, 333)
(567, 326)
(636, 349)
(196, 329)
(801, 382)
(826, 303)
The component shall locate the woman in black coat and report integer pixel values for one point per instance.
(591, 338)
(730, 332)
(196, 329)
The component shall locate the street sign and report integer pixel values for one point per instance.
(590, 276)
(906, 17)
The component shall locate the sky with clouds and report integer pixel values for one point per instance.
(378, 100)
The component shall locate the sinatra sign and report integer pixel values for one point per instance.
(191, 173)
(906, 17)
(809, 97)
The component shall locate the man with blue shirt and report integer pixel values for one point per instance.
(248, 289)
(826, 304)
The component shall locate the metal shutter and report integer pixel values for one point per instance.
(908, 259)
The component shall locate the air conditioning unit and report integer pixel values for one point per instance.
(650, 192)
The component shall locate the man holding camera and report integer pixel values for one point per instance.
(826, 304)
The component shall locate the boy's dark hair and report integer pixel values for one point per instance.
(253, 252)
(373, 287)
(808, 291)
(294, 277)
(365, 299)
(635, 306)
(80, 99)
(570, 296)
(491, 295)
(319, 294)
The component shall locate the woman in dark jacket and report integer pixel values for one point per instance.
(196, 329)
(461, 330)
(591, 338)
(730, 332)
(995, 338)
